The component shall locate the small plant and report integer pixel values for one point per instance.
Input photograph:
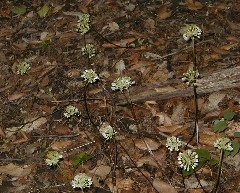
(89, 50)
(190, 31)
(90, 76)
(71, 111)
(190, 77)
(53, 158)
(122, 83)
(83, 24)
(188, 160)
(23, 68)
(173, 143)
(82, 181)
(222, 124)
(107, 131)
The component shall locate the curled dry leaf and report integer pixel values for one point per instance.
(163, 187)
(193, 5)
(163, 12)
(148, 144)
(125, 184)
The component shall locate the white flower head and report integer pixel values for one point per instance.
(81, 181)
(107, 131)
(89, 50)
(90, 76)
(190, 31)
(83, 24)
(188, 159)
(122, 83)
(173, 143)
(190, 77)
(23, 68)
(53, 158)
(223, 143)
(71, 111)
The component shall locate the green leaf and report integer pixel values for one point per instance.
(220, 126)
(213, 162)
(19, 10)
(203, 154)
(228, 115)
(236, 147)
(187, 173)
(237, 134)
(79, 159)
(43, 11)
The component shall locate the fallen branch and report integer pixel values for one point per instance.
(221, 80)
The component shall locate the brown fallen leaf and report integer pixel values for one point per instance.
(193, 5)
(125, 184)
(60, 145)
(148, 144)
(15, 96)
(163, 12)
(14, 170)
(101, 171)
(234, 26)
(163, 187)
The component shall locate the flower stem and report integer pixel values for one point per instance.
(219, 172)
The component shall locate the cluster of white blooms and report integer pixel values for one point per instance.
(107, 131)
(90, 76)
(223, 143)
(190, 31)
(122, 83)
(190, 77)
(71, 111)
(23, 67)
(89, 50)
(53, 158)
(173, 143)
(83, 24)
(81, 181)
(188, 159)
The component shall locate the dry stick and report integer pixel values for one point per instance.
(105, 39)
(137, 166)
(219, 172)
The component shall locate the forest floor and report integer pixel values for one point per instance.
(137, 38)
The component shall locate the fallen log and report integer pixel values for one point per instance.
(221, 80)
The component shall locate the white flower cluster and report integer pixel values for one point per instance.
(173, 143)
(23, 67)
(190, 77)
(89, 50)
(188, 159)
(53, 158)
(107, 131)
(190, 31)
(81, 181)
(71, 111)
(122, 83)
(223, 143)
(90, 76)
(83, 24)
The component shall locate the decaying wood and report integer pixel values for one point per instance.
(221, 80)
